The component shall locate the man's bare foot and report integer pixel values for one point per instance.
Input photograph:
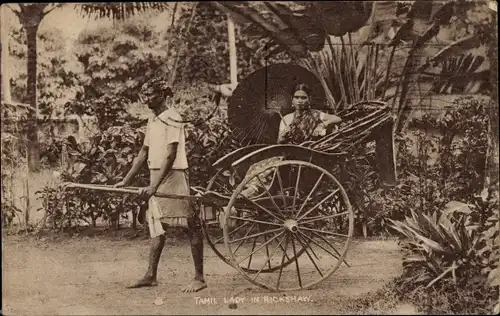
(144, 282)
(194, 286)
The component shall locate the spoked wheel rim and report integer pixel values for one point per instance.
(216, 184)
(209, 227)
(308, 233)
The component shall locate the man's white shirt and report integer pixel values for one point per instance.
(161, 131)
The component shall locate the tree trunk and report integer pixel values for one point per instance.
(32, 128)
(5, 59)
(232, 52)
(134, 219)
(94, 220)
(491, 180)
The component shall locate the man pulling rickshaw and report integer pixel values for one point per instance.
(164, 150)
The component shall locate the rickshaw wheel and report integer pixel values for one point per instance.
(301, 212)
(212, 230)
(209, 226)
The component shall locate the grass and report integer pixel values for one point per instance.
(443, 299)
(446, 299)
(382, 302)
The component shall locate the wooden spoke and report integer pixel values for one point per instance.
(285, 252)
(280, 181)
(334, 200)
(317, 244)
(310, 258)
(268, 261)
(267, 253)
(309, 195)
(246, 234)
(296, 262)
(270, 196)
(256, 235)
(296, 188)
(263, 208)
(326, 241)
(251, 255)
(255, 221)
(232, 232)
(310, 247)
(323, 232)
(282, 263)
(312, 219)
(318, 204)
(260, 247)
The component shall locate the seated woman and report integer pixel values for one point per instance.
(302, 125)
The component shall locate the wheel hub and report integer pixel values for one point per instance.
(291, 225)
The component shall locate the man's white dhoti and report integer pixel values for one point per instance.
(172, 212)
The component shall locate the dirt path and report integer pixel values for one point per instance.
(87, 276)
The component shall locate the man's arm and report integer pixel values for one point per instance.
(166, 165)
(139, 161)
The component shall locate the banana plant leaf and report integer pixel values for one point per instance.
(341, 17)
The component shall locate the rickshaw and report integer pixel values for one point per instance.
(294, 231)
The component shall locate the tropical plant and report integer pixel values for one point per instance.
(9, 212)
(439, 246)
(491, 181)
(451, 245)
(104, 159)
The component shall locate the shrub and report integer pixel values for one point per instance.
(51, 151)
(433, 168)
(446, 298)
(452, 247)
(9, 212)
(208, 136)
(11, 158)
(104, 159)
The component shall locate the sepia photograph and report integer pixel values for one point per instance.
(250, 158)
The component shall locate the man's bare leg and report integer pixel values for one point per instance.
(156, 248)
(196, 239)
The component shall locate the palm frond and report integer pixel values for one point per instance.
(120, 10)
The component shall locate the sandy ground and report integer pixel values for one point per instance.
(87, 276)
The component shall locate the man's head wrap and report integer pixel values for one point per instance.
(155, 87)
